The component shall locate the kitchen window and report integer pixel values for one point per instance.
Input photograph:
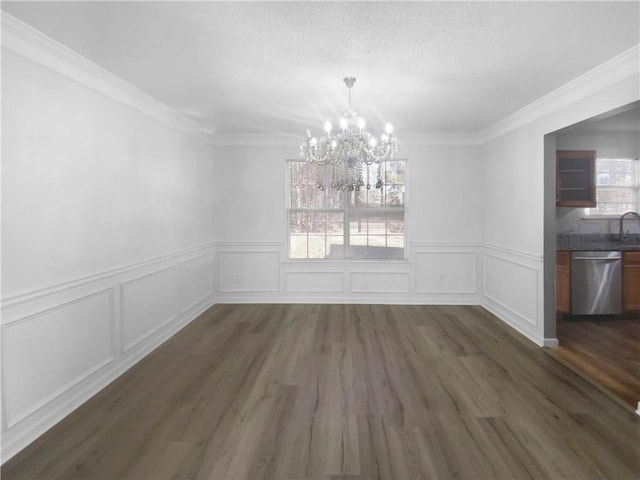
(617, 187)
(359, 224)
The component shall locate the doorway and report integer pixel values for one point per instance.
(604, 349)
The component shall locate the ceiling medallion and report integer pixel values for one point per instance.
(341, 158)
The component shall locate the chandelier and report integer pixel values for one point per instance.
(344, 158)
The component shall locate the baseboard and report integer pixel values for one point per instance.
(513, 321)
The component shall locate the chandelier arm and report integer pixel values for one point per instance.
(318, 159)
(340, 157)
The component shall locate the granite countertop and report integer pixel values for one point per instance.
(597, 241)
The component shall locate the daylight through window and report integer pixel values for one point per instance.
(357, 224)
(617, 185)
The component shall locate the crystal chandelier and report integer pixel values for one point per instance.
(343, 159)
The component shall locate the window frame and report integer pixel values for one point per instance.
(635, 189)
(347, 210)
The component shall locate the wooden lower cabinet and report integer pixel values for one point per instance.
(563, 282)
(631, 282)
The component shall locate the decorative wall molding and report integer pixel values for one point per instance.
(611, 72)
(103, 350)
(54, 318)
(508, 281)
(199, 262)
(14, 300)
(379, 282)
(27, 42)
(315, 282)
(445, 258)
(524, 255)
(148, 303)
(531, 319)
(335, 281)
(248, 271)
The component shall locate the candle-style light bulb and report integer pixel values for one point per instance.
(361, 123)
(388, 128)
(327, 127)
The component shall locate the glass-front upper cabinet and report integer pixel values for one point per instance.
(575, 178)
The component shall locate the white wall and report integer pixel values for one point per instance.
(106, 230)
(516, 231)
(443, 220)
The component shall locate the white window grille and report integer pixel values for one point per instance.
(617, 186)
(350, 224)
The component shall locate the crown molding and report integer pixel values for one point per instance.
(27, 42)
(613, 71)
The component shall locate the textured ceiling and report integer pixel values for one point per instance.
(278, 66)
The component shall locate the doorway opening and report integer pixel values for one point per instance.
(603, 348)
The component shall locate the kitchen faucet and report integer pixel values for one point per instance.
(621, 221)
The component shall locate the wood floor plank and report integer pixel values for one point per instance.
(606, 350)
(342, 391)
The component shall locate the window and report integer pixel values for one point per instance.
(364, 224)
(617, 186)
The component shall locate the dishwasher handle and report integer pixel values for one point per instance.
(597, 258)
(596, 255)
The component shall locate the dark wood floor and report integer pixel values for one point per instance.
(342, 391)
(607, 350)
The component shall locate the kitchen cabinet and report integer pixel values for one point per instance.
(630, 281)
(563, 282)
(575, 178)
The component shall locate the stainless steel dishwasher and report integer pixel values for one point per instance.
(596, 283)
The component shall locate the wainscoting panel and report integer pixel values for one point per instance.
(63, 344)
(435, 273)
(512, 286)
(450, 272)
(49, 352)
(148, 302)
(195, 278)
(247, 271)
(314, 282)
(379, 282)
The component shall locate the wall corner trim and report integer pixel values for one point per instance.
(27, 42)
